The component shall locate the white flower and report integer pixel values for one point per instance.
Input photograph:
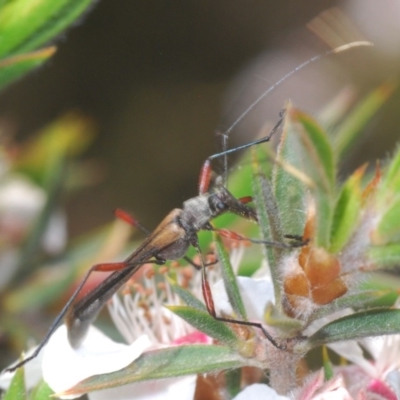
(259, 391)
(63, 367)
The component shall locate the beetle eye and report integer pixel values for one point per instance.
(216, 204)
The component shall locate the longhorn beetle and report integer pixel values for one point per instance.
(171, 239)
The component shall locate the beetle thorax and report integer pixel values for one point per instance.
(196, 212)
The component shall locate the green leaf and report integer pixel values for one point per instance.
(388, 229)
(320, 167)
(233, 382)
(15, 67)
(204, 322)
(229, 277)
(17, 390)
(41, 392)
(327, 364)
(289, 189)
(357, 300)
(347, 211)
(268, 219)
(165, 363)
(317, 146)
(385, 256)
(187, 296)
(391, 179)
(356, 326)
(353, 125)
(25, 24)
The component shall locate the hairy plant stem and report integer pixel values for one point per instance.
(283, 371)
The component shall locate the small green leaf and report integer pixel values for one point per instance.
(233, 382)
(15, 67)
(204, 322)
(165, 363)
(279, 320)
(17, 390)
(290, 191)
(391, 179)
(385, 256)
(357, 300)
(317, 146)
(41, 392)
(347, 211)
(353, 125)
(270, 225)
(229, 277)
(320, 167)
(388, 229)
(328, 367)
(364, 324)
(187, 296)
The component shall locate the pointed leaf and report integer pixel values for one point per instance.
(26, 25)
(357, 300)
(204, 322)
(353, 126)
(356, 326)
(385, 256)
(187, 296)
(347, 211)
(42, 392)
(318, 148)
(165, 363)
(268, 219)
(388, 229)
(229, 277)
(17, 390)
(320, 167)
(391, 179)
(15, 67)
(289, 190)
(328, 367)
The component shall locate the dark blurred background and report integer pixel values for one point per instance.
(160, 77)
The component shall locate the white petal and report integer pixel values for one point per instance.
(258, 391)
(393, 379)
(161, 389)
(256, 293)
(63, 366)
(350, 350)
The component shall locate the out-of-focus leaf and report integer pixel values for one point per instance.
(318, 149)
(385, 256)
(328, 367)
(204, 322)
(66, 137)
(357, 326)
(17, 390)
(165, 363)
(15, 67)
(229, 277)
(353, 125)
(347, 211)
(41, 392)
(388, 229)
(44, 287)
(25, 25)
(391, 179)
